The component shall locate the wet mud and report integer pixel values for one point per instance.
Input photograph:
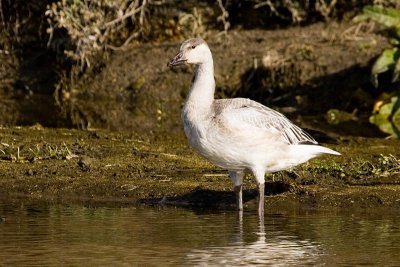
(100, 166)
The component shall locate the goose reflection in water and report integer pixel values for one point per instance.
(274, 248)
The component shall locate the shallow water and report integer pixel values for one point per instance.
(38, 235)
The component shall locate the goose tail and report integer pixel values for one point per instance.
(306, 152)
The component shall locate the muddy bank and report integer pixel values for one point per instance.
(301, 71)
(60, 165)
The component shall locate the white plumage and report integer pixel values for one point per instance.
(239, 134)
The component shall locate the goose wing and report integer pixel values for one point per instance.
(244, 112)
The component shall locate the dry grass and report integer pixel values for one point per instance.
(86, 30)
(96, 26)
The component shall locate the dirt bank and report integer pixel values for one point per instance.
(301, 71)
(60, 165)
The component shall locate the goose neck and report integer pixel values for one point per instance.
(201, 93)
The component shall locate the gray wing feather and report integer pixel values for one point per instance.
(260, 116)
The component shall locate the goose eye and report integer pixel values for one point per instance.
(193, 47)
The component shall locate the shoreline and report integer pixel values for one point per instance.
(108, 168)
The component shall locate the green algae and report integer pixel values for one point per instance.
(101, 166)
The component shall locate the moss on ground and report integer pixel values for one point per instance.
(61, 165)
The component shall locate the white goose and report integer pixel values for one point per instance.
(239, 134)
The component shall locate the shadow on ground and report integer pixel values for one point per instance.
(207, 198)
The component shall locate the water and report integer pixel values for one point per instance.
(54, 235)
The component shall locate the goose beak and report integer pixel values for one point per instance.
(177, 60)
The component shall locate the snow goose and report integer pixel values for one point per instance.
(238, 134)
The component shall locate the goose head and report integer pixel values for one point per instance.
(193, 51)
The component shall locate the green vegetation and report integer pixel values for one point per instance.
(387, 117)
(389, 60)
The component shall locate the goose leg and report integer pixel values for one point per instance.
(261, 188)
(259, 175)
(239, 197)
(237, 180)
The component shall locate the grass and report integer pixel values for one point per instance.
(35, 152)
(108, 166)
